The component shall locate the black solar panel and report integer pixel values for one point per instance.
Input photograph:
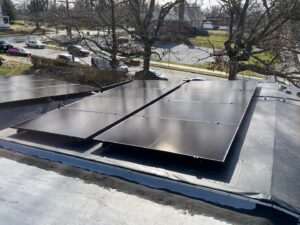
(222, 85)
(196, 111)
(116, 104)
(152, 84)
(189, 138)
(200, 120)
(20, 88)
(225, 97)
(122, 106)
(125, 93)
(77, 124)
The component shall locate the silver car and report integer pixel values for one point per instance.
(35, 44)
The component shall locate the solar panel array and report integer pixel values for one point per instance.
(197, 119)
(200, 120)
(21, 88)
(97, 113)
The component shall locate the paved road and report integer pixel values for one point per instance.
(186, 54)
(173, 75)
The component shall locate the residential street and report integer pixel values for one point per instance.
(172, 75)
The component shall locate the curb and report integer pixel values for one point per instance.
(190, 70)
(197, 70)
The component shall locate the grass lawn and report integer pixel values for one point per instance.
(19, 28)
(14, 68)
(216, 38)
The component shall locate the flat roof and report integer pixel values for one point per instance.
(262, 165)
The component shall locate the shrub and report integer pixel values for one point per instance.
(201, 32)
(75, 72)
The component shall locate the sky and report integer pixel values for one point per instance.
(208, 3)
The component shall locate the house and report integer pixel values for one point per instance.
(4, 21)
(179, 22)
(193, 15)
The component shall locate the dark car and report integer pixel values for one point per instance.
(5, 45)
(151, 75)
(18, 51)
(78, 50)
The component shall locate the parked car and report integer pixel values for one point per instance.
(78, 50)
(5, 45)
(105, 64)
(35, 44)
(67, 58)
(18, 51)
(152, 75)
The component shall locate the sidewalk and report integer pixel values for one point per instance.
(190, 69)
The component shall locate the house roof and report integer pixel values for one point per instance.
(262, 167)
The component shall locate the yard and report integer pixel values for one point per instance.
(216, 38)
(14, 65)
(14, 68)
(20, 27)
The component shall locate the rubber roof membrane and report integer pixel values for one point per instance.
(197, 120)
(99, 112)
(29, 87)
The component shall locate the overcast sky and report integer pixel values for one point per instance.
(208, 3)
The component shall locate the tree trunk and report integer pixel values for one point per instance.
(114, 38)
(147, 57)
(233, 69)
(69, 31)
(37, 25)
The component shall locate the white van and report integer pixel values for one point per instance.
(105, 63)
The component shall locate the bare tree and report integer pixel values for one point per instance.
(37, 10)
(148, 19)
(256, 27)
(94, 23)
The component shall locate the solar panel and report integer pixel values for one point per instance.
(122, 106)
(23, 78)
(20, 88)
(189, 138)
(118, 103)
(152, 84)
(225, 97)
(33, 84)
(71, 123)
(222, 85)
(124, 93)
(196, 111)
(200, 120)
